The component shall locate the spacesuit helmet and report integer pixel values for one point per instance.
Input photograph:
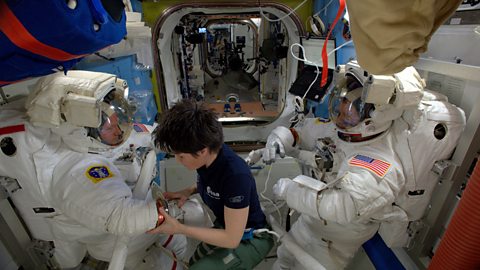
(116, 120)
(89, 110)
(365, 105)
(347, 110)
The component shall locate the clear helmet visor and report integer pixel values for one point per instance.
(345, 104)
(116, 119)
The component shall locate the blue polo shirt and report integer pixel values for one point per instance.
(229, 182)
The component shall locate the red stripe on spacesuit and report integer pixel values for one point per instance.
(170, 237)
(174, 266)
(12, 129)
(19, 35)
(3, 83)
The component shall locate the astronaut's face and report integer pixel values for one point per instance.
(110, 131)
(348, 115)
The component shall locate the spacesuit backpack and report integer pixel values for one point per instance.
(18, 176)
(427, 137)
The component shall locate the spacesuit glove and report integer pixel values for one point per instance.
(254, 156)
(281, 187)
(273, 146)
(279, 141)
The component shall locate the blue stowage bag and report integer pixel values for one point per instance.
(41, 37)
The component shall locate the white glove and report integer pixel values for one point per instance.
(280, 188)
(254, 156)
(280, 140)
(270, 150)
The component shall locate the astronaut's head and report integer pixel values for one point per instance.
(110, 132)
(116, 121)
(363, 105)
(347, 108)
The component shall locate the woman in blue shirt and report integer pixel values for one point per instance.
(226, 185)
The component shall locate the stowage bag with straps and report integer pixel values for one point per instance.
(41, 37)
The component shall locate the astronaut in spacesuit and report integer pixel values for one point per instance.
(370, 187)
(80, 198)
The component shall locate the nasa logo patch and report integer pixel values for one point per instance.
(98, 173)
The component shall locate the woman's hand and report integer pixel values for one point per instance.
(169, 226)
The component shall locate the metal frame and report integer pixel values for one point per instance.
(13, 235)
(156, 33)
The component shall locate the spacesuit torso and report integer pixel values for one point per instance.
(359, 199)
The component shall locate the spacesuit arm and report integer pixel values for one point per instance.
(294, 142)
(93, 193)
(352, 196)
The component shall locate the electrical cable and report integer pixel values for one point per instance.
(299, 102)
(279, 19)
(306, 61)
(324, 8)
(268, 199)
(339, 47)
(259, 231)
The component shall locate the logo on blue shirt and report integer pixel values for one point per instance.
(212, 194)
(236, 199)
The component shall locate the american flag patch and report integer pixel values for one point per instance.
(140, 128)
(377, 166)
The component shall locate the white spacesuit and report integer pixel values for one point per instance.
(51, 164)
(376, 184)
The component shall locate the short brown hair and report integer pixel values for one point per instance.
(188, 127)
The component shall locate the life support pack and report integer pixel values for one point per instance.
(19, 143)
(41, 37)
(426, 138)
